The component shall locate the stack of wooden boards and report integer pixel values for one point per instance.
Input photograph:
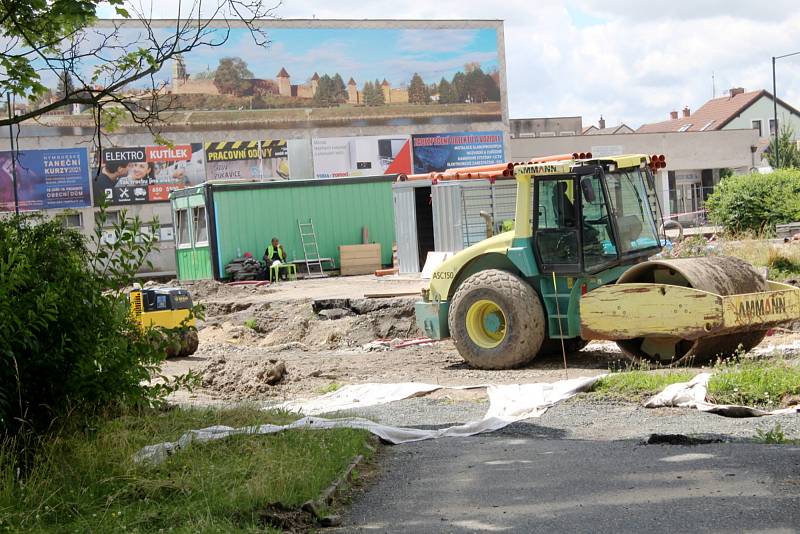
(359, 259)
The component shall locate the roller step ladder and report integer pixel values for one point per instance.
(308, 237)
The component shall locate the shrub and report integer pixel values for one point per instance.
(67, 339)
(756, 202)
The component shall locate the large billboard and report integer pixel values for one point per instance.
(140, 175)
(439, 152)
(342, 157)
(46, 179)
(247, 160)
(330, 74)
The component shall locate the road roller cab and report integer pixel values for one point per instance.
(580, 226)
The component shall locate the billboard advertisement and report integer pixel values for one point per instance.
(439, 152)
(247, 160)
(46, 179)
(140, 175)
(330, 73)
(342, 157)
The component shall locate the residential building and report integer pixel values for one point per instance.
(737, 110)
(602, 129)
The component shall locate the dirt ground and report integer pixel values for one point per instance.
(344, 339)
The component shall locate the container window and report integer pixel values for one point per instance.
(182, 228)
(200, 225)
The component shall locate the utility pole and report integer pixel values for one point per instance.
(13, 153)
(775, 107)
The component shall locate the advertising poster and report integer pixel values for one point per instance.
(439, 152)
(342, 157)
(388, 74)
(139, 175)
(46, 179)
(247, 160)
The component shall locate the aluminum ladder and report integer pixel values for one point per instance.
(308, 237)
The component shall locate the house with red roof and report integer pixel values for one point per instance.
(737, 110)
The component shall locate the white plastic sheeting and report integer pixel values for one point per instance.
(692, 394)
(507, 404)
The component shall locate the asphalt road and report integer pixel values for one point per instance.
(534, 478)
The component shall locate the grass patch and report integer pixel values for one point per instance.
(638, 383)
(86, 481)
(754, 382)
(251, 323)
(330, 388)
(774, 436)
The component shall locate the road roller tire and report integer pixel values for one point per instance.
(496, 320)
(722, 275)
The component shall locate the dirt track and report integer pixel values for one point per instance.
(248, 330)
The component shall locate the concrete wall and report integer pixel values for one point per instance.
(763, 110)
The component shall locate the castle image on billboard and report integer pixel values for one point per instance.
(281, 85)
(330, 76)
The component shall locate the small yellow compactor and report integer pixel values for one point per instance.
(576, 267)
(168, 308)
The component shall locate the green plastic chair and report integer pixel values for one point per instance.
(290, 268)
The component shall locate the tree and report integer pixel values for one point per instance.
(459, 87)
(340, 90)
(45, 40)
(380, 96)
(446, 95)
(326, 91)
(418, 91)
(368, 94)
(233, 77)
(789, 155)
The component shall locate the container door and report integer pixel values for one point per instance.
(405, 223)
(447, 217)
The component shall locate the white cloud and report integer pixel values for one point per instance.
(634, 63)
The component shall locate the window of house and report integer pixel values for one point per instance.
(112, 218)
(182, 228)
(547, 134)
(772, 127)
(567, 133)
(685, 127)
(199, 225)
(72, 220)
(706, 126)
(756, 125)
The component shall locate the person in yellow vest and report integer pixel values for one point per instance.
(275, 254)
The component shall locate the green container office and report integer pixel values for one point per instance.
(216, 221)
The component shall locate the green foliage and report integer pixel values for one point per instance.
(774, 436)
(232, 77)
(638, 383)
(756, 202)
(251, 323)
(446, 94)
(372, 94)
(67, 339)
(86, 481)
(788, 154)
(330, 90)
(333, 386)
(751, 382)
(417, 91)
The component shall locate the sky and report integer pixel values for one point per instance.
(353, 53)
(630, 61)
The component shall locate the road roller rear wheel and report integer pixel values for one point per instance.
(721, 275)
